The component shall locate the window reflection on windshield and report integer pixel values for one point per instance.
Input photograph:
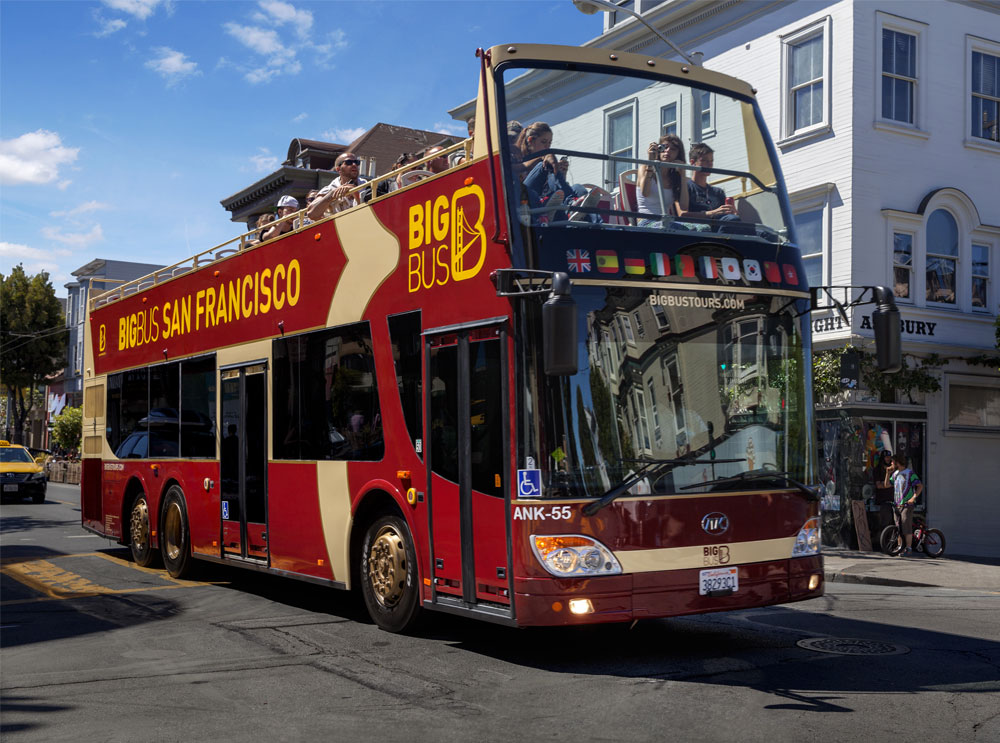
(664, 374)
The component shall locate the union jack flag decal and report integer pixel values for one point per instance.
(578, 260)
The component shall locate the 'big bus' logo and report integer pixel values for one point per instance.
(446, 239)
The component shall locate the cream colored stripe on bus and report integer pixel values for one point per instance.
(681, 558)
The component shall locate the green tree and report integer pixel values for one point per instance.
(68, 428)
(32, 340)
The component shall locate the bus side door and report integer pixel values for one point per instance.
(467, 455)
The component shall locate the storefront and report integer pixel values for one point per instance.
(850, 441)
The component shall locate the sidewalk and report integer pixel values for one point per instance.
(876, 568)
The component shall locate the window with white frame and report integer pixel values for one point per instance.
(620, 128)
(660, 314)
(638, 324)
(942, 257)
(655, 411)
(668, 119)
(900, 68)
(973, 406)
(899, 75)
(980, 276)
(806, 84)
(627, 328)
(902, 265)
(809, 229)
(706, 125)
(639, 402)
(986, 96)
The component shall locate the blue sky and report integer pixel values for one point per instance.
(125, 122)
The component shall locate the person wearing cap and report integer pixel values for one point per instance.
(334, 197)
(286, 205)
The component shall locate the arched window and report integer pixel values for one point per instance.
(942, 257)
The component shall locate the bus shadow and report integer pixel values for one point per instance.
(755, 649)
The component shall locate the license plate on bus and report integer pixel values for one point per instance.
(718, 579)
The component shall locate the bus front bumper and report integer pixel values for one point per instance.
(668, 593)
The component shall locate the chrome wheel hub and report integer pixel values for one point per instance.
(139, 524)
(387, 566)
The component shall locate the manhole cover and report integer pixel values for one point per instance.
(851, 646)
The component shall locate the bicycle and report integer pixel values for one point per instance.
(929, 541)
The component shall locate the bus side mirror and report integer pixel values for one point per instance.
(559, 328)
(885, 323)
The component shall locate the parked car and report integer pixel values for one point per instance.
(20, 474)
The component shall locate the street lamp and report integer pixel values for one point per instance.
(592, 6)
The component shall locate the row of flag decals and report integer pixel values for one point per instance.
(661, 264)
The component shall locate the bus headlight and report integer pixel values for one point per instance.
(573, 555)
(807, 541)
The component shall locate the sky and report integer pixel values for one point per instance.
(124, 123)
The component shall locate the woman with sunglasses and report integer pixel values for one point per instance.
(664, 192)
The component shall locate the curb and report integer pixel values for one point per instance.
(873, 580)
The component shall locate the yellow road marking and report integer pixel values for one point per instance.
(55, 583)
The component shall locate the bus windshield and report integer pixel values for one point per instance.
(589, 150)
(702, 384)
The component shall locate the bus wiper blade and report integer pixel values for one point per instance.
(751, 475)
(648, 466)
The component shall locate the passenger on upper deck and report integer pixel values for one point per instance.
(392, 184)
(672, 182)
(439, 164)
(457, 158)
(286, 205)
(705, 201)
(261, 227)
(544, 177)
(334, 197)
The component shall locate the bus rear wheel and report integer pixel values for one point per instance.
(389, 581)
(175, 534)
(140, 544)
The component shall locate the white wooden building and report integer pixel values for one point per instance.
(885, 119)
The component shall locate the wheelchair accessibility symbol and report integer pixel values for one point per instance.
(225, 509)
(529, 483)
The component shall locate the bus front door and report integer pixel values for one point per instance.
(467, 460)
(243, 462)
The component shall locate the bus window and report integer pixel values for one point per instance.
(164, 404)
(128, 405)
(198, 407)
(404, 334)
(325, 396)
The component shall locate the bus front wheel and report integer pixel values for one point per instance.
(139, 543)
(175, 535)
(389, 574)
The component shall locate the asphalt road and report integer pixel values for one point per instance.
(95, 649)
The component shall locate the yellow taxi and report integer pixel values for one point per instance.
(20, 474)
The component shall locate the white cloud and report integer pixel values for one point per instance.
(279, 59)
(300, 118)
(343, 136)
(453, 128)
(17, 252)
(264, 161)
(141, 9)
(33, 260)
(84, 208)
(34, 157)
(172, 66)
(109, 26)
(278, 13)
(74, 239)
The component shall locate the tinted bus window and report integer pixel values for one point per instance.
(128, 407)
(164, 405)
(198, 407)
(325, 396)
(404, 333)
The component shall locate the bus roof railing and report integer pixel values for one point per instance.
(247, 241)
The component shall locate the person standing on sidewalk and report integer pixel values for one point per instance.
(907, 488)
(883, 489)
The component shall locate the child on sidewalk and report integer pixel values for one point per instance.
(907, 488)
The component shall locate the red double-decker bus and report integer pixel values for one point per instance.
(508, 390)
